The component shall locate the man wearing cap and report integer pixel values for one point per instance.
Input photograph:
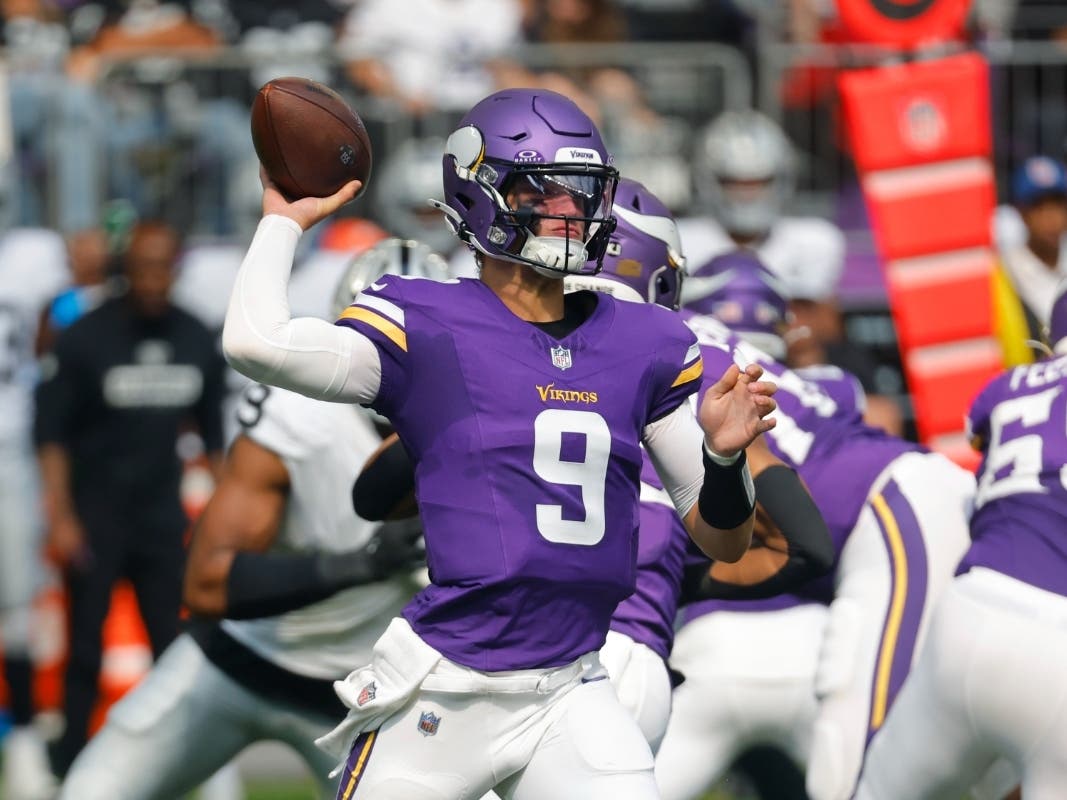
(1035, 265)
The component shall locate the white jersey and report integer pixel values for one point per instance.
(807, 253)
(324, 446)
(33, 269)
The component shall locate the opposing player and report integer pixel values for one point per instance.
(524, 410)
(744, 172)
(898, 518)
(32, 271)
(292, 586)
(989, 680)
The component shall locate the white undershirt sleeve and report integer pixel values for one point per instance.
(307, 355)
(673, 443)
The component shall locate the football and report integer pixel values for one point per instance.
(310, 140)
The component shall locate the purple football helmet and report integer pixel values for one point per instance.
(644, 260)
(746, 297)
(1057, 326)
(527, 179)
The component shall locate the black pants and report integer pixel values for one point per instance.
(153, 560)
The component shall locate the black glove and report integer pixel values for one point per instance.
(394, 547)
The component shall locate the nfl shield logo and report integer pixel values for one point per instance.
(366, 694)
(561, 357)
(428, 722)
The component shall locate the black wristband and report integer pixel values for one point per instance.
(727, 497)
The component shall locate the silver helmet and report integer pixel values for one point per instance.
(409, 179)
(744, 171)
(388, 257)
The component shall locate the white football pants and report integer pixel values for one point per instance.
(749, 679)
(991, 682)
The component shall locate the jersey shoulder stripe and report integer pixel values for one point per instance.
(387, 327)
(693, 372)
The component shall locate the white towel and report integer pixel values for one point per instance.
(375, 692)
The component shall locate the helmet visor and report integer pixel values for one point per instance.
(559, 202)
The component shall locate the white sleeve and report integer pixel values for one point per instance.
(673, 443)
(307, 355)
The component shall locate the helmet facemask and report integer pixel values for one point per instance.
(559, 218)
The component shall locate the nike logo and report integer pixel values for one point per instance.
(594, 680)
(377, 286)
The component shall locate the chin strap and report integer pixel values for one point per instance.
(556, 253)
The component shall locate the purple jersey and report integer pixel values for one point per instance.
(1019, 526)
(835, 453)
(528, 454)
(843, 387)
(647, 616)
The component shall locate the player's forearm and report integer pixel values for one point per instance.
(307, 355)
(720, 544)
(256, 585)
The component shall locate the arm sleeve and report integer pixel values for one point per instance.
(673, 443)
(57, 395)
(307, 355)
(384, 484)
(804, 536)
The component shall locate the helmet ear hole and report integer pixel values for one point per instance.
(466, 145)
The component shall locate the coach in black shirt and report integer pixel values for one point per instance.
(119, 387)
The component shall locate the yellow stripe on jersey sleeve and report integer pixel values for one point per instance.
(690, 373)
(380, 323)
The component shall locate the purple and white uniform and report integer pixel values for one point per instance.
(897, 517)
(989, 682)
(478, 396)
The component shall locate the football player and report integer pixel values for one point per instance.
(291, 587)
(32, 271)
(989, 682)
(524, 410)
(898, 518)
(744, 173)
(643, 263)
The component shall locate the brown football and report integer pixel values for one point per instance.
(308, 138)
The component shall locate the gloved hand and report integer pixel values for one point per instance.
(397, 546)
(394, 547)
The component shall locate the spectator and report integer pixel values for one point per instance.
(1036, 264)
(55, 124)
(90, 261)
(117, 388)
(447, 61)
